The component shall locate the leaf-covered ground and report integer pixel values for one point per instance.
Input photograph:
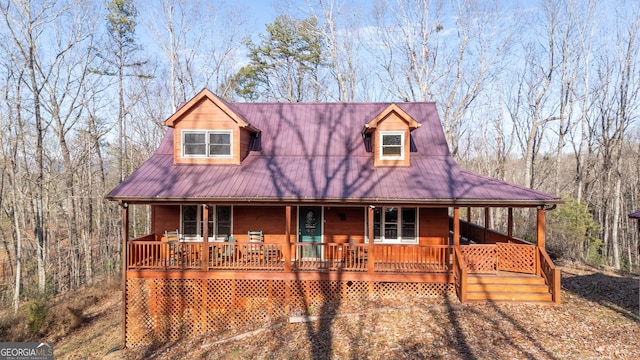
(598, 319)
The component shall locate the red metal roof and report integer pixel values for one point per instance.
(316, 152)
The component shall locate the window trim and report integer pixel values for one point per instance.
(382, 146)
(398, 240)
(213, 212)
(207, 134)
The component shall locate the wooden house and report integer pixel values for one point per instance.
(263, 210)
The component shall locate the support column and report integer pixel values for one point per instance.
(287, 246)
(370, 254)
(540, 239)
(124, 260)
(456, 226)
(510, 222)
(205, 237)
(486, 225)
(540, 232)
(456, 234)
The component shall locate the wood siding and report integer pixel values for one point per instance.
(341, 224)
(164, 218)
(268, 219)
(337, 230)
(206, 115)
(433, 226)
(392, 122)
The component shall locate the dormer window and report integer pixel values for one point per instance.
(392, 145)
(211, 143)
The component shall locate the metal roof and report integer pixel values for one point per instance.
(315, 152)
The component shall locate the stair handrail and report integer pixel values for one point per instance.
(551, 274)
(460, 274)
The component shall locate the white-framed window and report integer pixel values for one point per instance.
(207, 143)
(395, 225)
(219, 224)
(392, 145)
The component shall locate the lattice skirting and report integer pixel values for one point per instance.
(168, 309)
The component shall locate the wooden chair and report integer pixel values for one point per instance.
(172, 238)
(255, 236)
(254, 249)
(357, 254)
(228, 251)
(172, 235)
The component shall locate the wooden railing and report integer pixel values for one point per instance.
(491, 258)
(479, 234)
(460, 274)
(246, 256)
(550, 273)
(145, 254)
(412, 258)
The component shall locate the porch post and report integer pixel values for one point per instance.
(205, 237)
(287, 245)
(540, 232)
(510, 222)
(124, 260)
(370, 255)
(456, 234)
(456, 226)
(486, 224)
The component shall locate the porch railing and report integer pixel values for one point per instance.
(551, 274)
(483, 235)
(460, 274)
(145, 254)
(491, 258)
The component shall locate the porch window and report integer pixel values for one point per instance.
(391, 145)
(218, 225)
(212, 143)
(395, 225)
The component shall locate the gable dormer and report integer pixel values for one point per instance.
(390, 133)
(208, 131)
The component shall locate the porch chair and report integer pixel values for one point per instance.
(255, 236)
(253, 249)
(357, 253)
(228, 251)
(172, 238)
(172, 235)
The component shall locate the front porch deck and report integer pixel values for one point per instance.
(332, 261)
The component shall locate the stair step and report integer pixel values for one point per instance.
(510, 279)
(516, 288)
(509, 296)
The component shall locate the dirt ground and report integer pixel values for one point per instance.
(598, 319)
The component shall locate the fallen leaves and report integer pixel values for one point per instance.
(596, 320)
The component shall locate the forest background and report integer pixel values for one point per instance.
(543, 94)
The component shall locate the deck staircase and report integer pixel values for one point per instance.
(508, 287)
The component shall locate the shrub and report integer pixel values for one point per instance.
(36, 312)
(573, 234)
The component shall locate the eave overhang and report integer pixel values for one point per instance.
(338, 202)
(393, 108)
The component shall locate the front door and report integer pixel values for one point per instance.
(310, 230)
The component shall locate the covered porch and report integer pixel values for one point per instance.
(472, 250)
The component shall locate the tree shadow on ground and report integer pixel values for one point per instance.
(611, 291)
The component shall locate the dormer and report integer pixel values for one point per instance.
(390, 133)
(208, 131)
